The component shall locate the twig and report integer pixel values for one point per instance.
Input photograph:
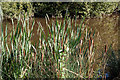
(73, 72)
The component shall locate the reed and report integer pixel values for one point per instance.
(16, 54)
(66, 51)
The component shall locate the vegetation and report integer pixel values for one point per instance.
(80, 9)
(63, 52)
(113, 62)
(67, 50)
(14, 9)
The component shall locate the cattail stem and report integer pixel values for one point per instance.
(104, 63)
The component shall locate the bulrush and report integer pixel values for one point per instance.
(42, 57)
(55, 57)
(104, 63)
(80, 45)
(35, 52)
(92, 42)
(80, 58)
(105, 48)
(24, 53)
(80, 50)
(89, 43)
(35, 56)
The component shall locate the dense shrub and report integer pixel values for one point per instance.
(15, 8)
(89, 9)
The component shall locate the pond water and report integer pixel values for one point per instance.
(106, 31)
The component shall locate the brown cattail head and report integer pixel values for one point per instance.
(105, 48)
(89, 44)
(80, 45)
(80, 50)
(35, 56)
(66, 40)
(42, 57)
(54, 34)
(93, 42)
(54, 38)
(24, 53)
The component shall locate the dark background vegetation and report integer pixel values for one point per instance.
(37, 9)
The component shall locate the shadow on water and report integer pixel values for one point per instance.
(114, 59)
(113, 63)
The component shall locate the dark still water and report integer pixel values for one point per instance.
(106, 29)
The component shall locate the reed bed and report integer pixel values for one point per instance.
(66, 51)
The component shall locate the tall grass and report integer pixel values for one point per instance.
(66, 51)
(16, 55)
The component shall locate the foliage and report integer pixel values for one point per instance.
(80, 9)
(63, 52)
(88, 9)
(41, 9)
(13, 59)
(13, 9)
